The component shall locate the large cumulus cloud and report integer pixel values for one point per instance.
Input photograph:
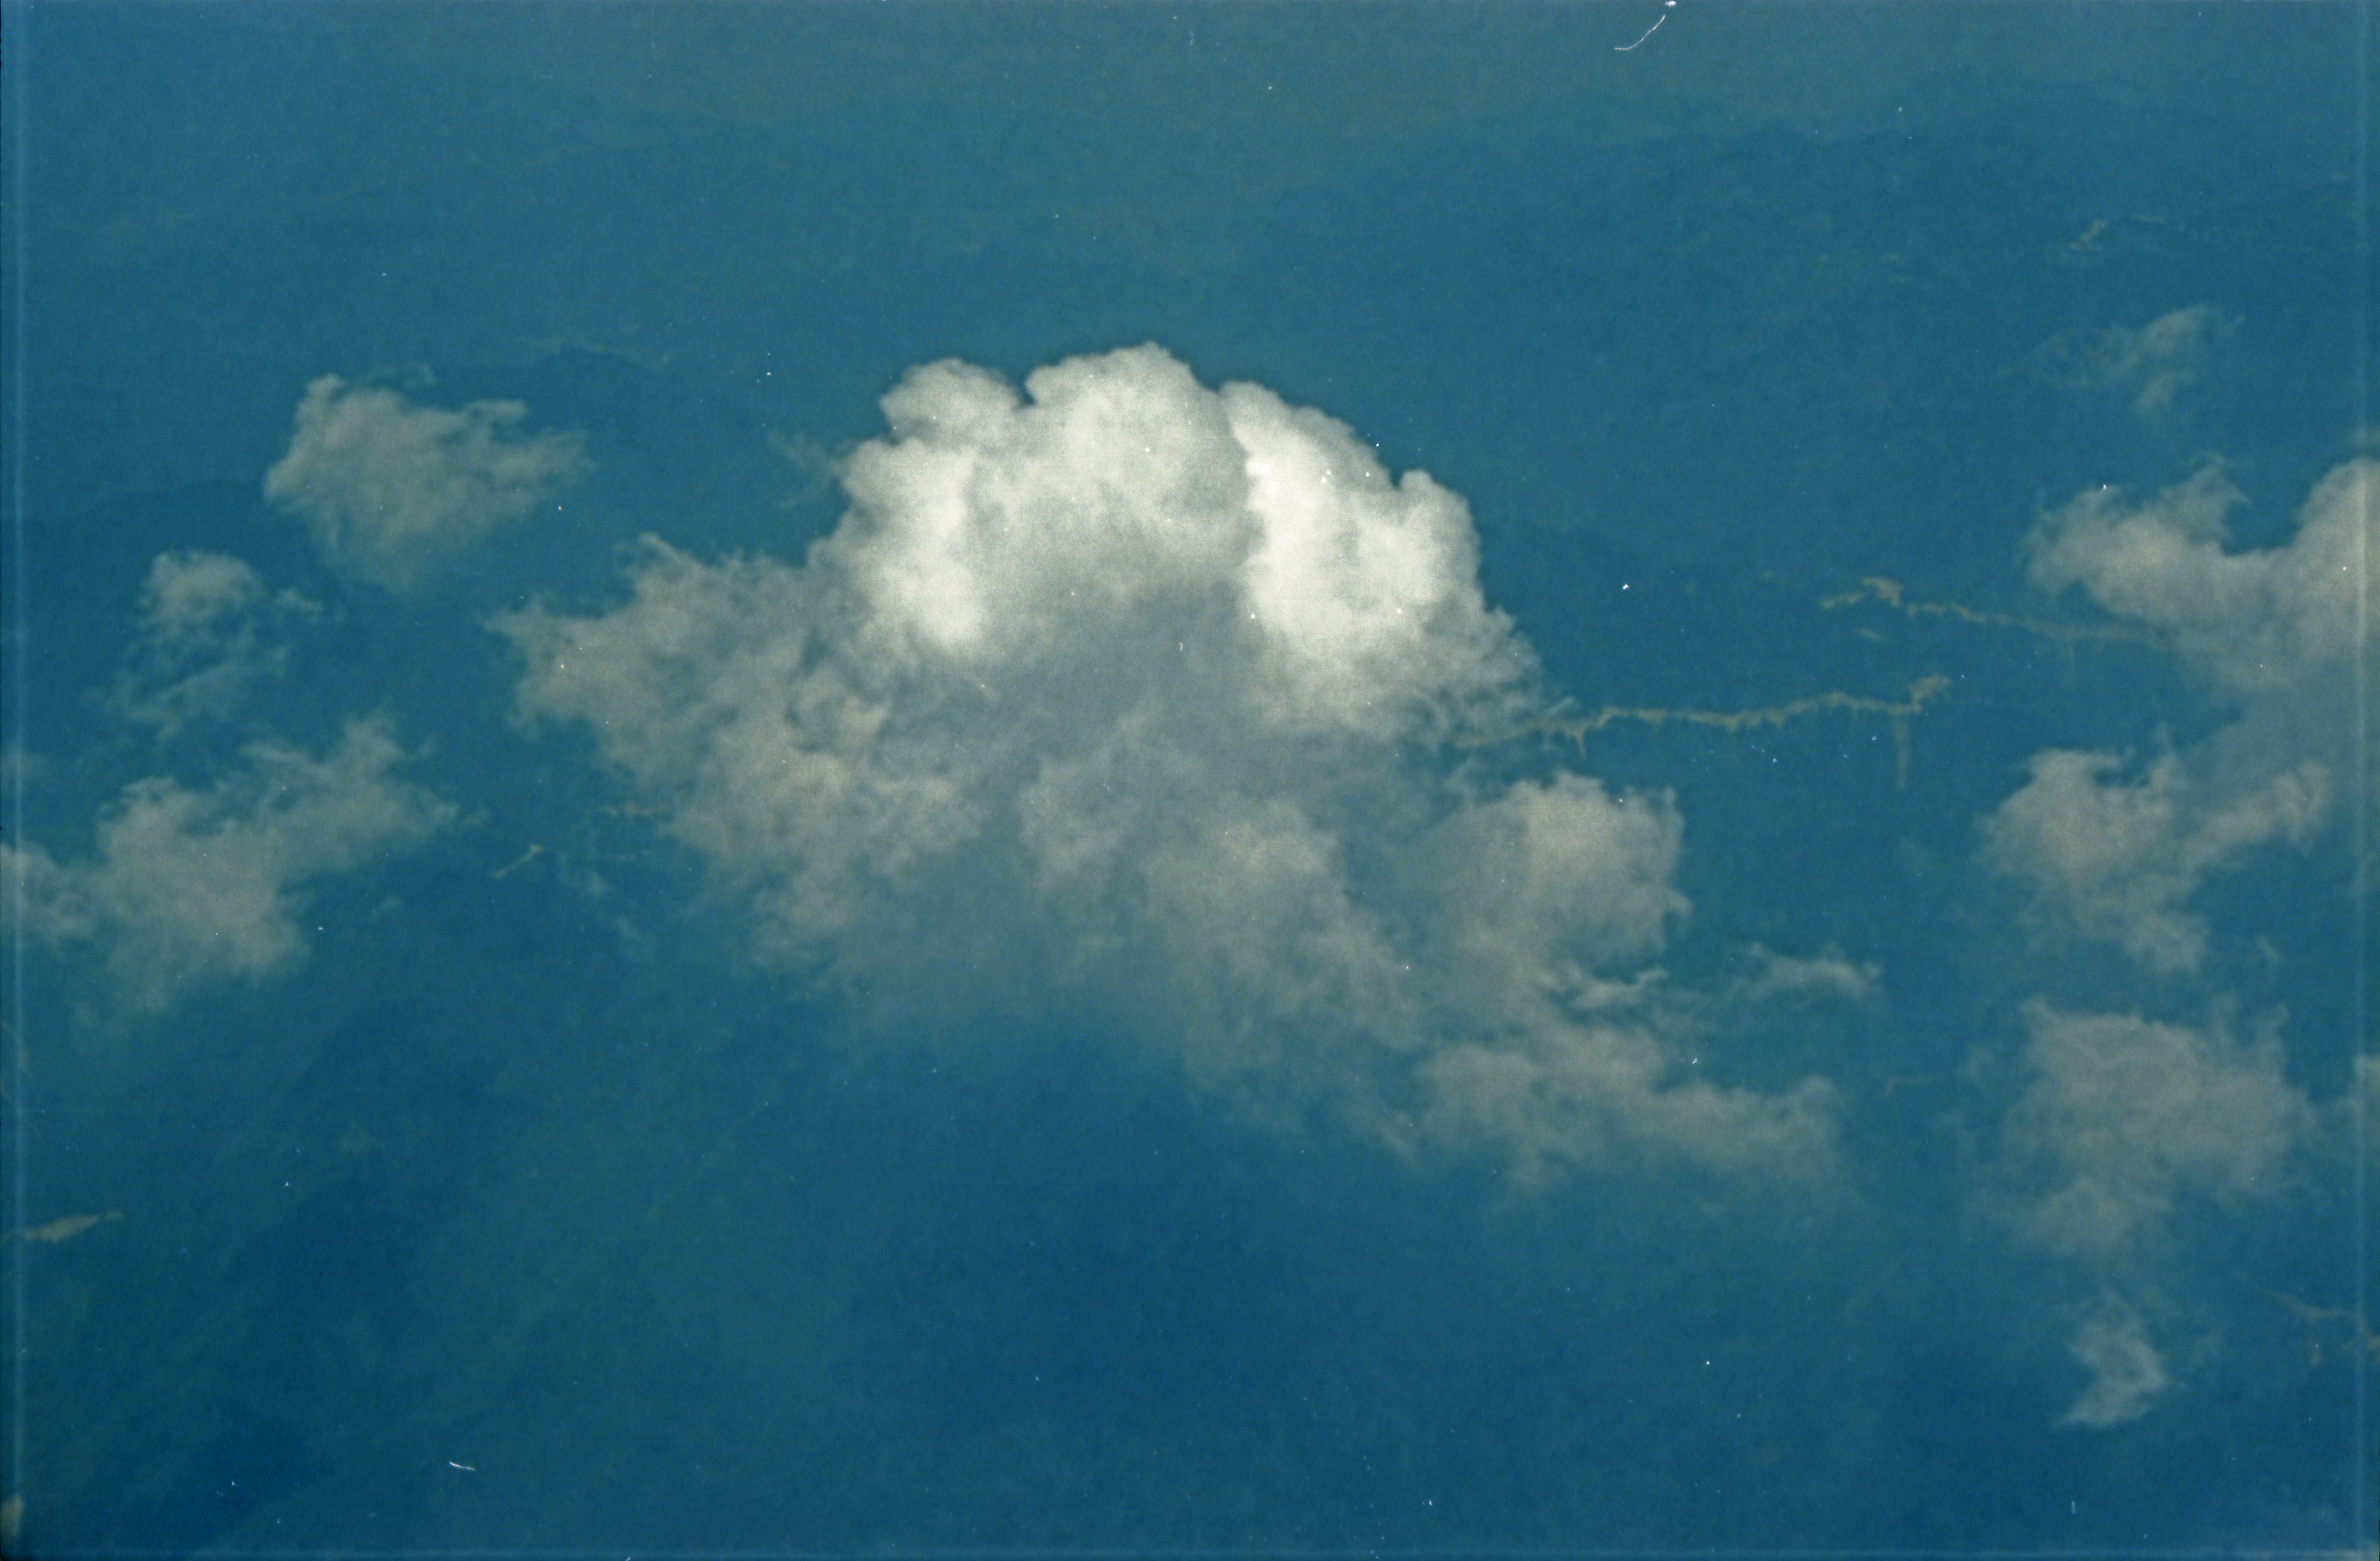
(1124, 696)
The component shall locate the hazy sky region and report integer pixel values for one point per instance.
(1440, 779)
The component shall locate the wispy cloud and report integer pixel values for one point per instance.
(2156, 363)
(207, 641)
(2127, 1376)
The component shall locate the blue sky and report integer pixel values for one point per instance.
(817, 778)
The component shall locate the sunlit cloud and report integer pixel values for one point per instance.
(1123, 696)
(391, 489)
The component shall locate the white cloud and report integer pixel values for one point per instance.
(2277, 634)
(1557, 879)
(2119, 856)
(2124, 1117)
(193, 887)
(1127, 498)
(2255, 623)
(2124, 1113)
(391, 489)
(206, 641)
(2127, 1375)
(189, 595)
(1571, 1089)
(1121, 692)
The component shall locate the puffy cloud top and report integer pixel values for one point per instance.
(390, 490)
(1118, 693)
(993, 532)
